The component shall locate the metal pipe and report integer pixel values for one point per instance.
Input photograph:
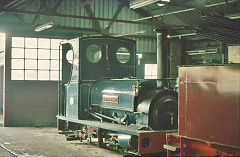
(96, 116)
(159, 56)
(181, 35)
(133, 33)
(101, 115)
(181, 11)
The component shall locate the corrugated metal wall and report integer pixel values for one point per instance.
(100, 8)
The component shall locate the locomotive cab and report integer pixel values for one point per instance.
(84, 61)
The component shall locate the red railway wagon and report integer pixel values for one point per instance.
(209, 111)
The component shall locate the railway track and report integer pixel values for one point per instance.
(9, 151)
(14, 154)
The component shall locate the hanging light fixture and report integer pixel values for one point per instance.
(141, 3)
(43, 27)
(160, 4)
(165, 0)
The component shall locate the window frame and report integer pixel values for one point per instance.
(50, 49)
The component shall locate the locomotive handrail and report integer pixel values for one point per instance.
(109, 118)
(96, 116)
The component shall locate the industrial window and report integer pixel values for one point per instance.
(150, 71)
(35, 59)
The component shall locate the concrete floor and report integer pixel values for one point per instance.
(46, 142)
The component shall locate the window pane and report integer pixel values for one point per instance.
(93, 53)
(17, 75)
(150, 71)
(154, 76)
(30, 64)
(17, 64)
(54, 75)
(43, 43)
(31, 53)
(55, 43)
(17, 53)
(31, 42)
(54, 64)
(54, 54)
(43, 64)
(30, 74)
(123, 55)
(43, 75)
(43, 54)
(70, 55)
(17, 42)
(147, 77)
(154, 69)
(147, 69)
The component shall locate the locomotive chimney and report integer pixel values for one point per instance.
(160, 55)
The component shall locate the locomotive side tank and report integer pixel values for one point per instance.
(100, 96)
(133, 101)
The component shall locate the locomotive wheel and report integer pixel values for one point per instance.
(164, 113)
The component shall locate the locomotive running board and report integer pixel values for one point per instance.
(131, 130)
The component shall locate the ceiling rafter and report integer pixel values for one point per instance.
(42, 6)
(25, 27)
(120, 7)
(70, 16)
(18, 4)
(95, 22)
(7, 5)
(57, 4)
(187, 10)
(12, 4)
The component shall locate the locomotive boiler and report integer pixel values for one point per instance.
(100, 97)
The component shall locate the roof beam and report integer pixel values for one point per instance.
(10, 3)
(57, 5)
(114, 17)
(25, 28)
(70, 16)
(18, 3)
(95, 22)
(185, 10)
